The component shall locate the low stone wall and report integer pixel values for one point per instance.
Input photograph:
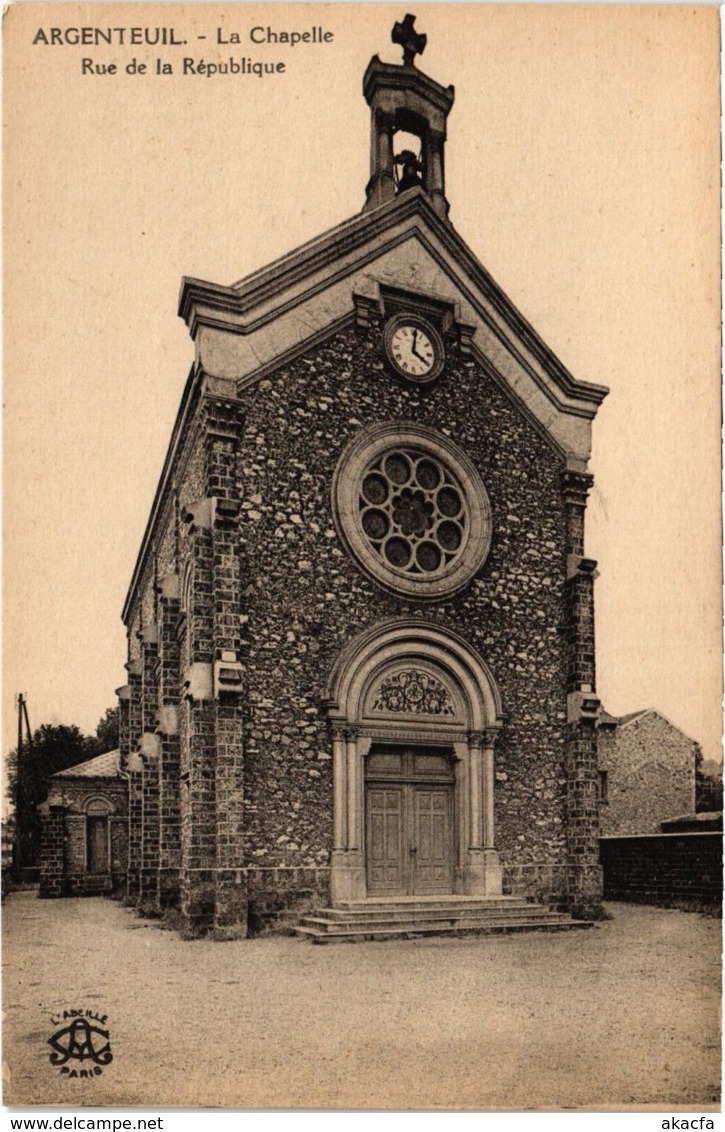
(668, 869)
(279, 896)
(545, 884)
(85, 884)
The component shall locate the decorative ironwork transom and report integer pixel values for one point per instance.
(413, 691)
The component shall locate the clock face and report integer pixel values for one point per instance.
(414, 349)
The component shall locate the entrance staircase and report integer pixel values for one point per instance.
(403, 917)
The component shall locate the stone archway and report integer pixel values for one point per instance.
(412, 689)
(98, 810)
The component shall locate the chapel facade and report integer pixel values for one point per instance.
(361, 625)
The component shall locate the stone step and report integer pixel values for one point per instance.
(364, 910)
(364, 932)
(402, 917)
(463, 924)
(433, 915)
(446, 898)
(402, 903)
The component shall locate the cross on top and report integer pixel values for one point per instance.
(412, 42)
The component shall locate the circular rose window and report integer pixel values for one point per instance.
(412, 509)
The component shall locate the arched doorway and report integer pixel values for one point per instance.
(98, 836)
(414, 713)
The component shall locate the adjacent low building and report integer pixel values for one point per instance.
(646, 772)
(84, 847)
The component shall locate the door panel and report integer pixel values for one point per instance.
(97, 831)
(432, 840)
(409, 840)
(386, 859)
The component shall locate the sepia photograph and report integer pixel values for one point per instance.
(362, 650)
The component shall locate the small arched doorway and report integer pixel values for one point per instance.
(414, 713)
(98, 836)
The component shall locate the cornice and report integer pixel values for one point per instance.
(198, 387)
(241, 298)
(182, 416)
(286, 356)
(397, 77)
(576, 486)
(236, 309)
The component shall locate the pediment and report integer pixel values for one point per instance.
(245, 330)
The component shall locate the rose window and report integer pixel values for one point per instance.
(412, 509)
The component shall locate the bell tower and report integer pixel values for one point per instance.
(408, 125)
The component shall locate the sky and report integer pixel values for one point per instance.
(582, 168)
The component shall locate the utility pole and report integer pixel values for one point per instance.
(23, 722)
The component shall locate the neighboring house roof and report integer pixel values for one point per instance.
(631, 716)
(634, 715)
(711, 820)
(705, 816)
(102, 766)
(607, 720)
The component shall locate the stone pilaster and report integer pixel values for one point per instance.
(198, 817)
(135, 713)
(435, 172)
(52, 852)
(148, 883)
(223, 425)
(124, 747)
(169, 753)
(149, 749)
(347, 877)
(381, 186)
(149, 680)
(483, 873)
(584, 871)
(197, 753)
(133, 769)
(230, 912)
(580, 627)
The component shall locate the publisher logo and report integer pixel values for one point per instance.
(81, 1043)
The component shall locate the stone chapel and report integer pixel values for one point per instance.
(360, 627)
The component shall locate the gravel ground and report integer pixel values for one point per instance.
(624, 1015)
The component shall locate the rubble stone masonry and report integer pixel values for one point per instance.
(243, 800)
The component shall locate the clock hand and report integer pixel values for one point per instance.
(413, 350)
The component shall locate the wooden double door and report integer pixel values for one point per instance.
(409, 796)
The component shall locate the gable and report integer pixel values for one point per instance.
(651, 721)
(243, 331)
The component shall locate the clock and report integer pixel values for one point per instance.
(414, 348)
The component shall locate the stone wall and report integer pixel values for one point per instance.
(249, 563)
(305, 598)
(52, 854)
(650, 774)
(64, 870)
(669, 869)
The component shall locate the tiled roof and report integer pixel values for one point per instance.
(102, 766)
